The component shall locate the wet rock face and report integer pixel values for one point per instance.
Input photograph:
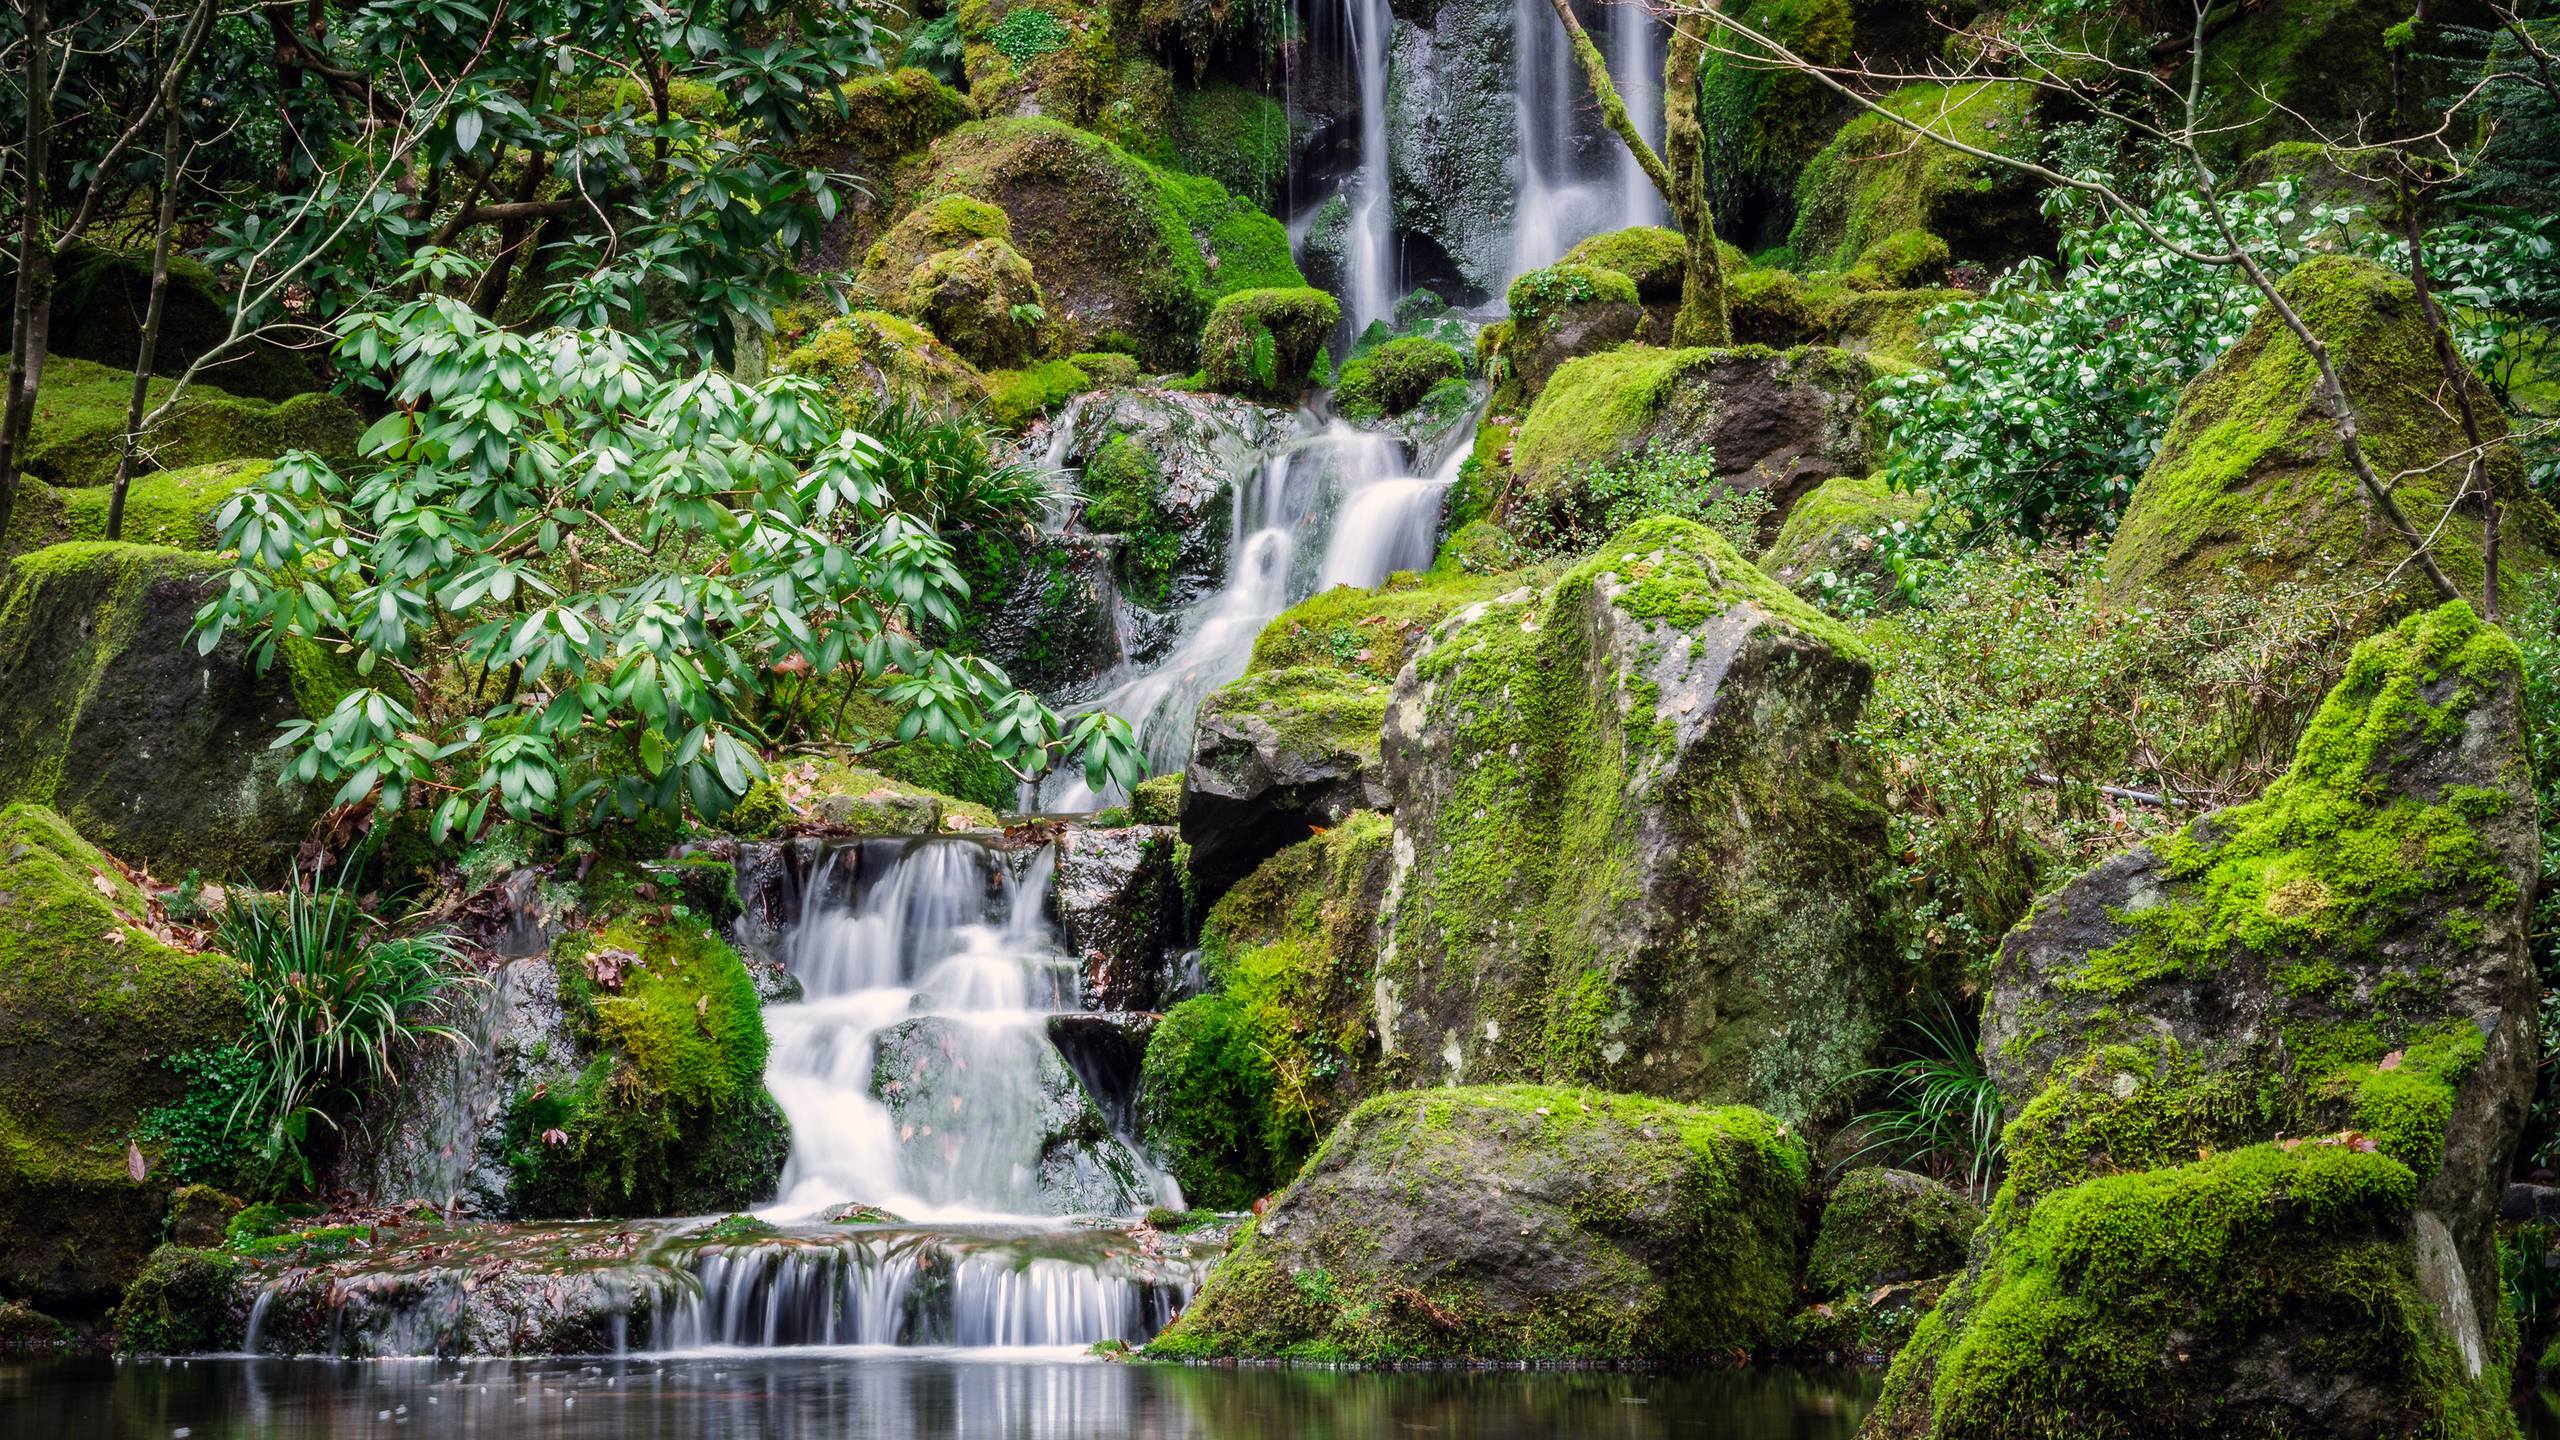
(2297, 1037)
(442, 1136)
(1161, 469)
(1118, 902)
(1276, 757)
(110, 715)
(1041, 607)
(1516, 1223)
(986, 1111)
(1631, 850)
(1450, 131)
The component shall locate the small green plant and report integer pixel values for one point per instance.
(1027, 34)
(1939, 1110)
(330, 1008)
(1573, 517)
(1027, 315)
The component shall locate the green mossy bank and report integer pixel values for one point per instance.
(76, 431)
(92, 1005)
(1508, 1223)
(2265, 1078)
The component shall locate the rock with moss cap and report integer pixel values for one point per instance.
(185, 1301)
(1870, 181)
(1561, 312)
(91, 1003)
(1293, 743)
(1831, 537)
(1511, 1223)
(1775, 421)
(1262, 343)
(1393, 378)
(76, 430)
(869, 353)
(177, 508)
(2265, 1079)
(2250, 473)
(109, 713)
(1633, 850)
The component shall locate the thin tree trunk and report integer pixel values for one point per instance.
(35, 262)
(1682, 180)
(162, 232)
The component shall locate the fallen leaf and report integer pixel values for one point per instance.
(2392, 1060)
(134, 1164)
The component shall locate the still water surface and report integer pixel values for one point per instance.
(858, 1394)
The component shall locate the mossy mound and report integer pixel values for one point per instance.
(1235, 136)
(982, 300)
(1557, 314)
(185, 1301)
(176, 508)
(76, 431)
(1507, 1223)
(882, 118)
(1655, 259)
(2267, 1077)
(91, 1005)
(1123, 248)
(1874, 179)
(1763, 122)
(1903, 260)
(1394, 377)
(1882, 1227)
(101, 295)
(1780, 422)
(1240, 1082)
(111, 715)
(1641, 859)
(1015, 398)
(872, 352)
(668, 1114)
(1830, 538)
(2250, 472)
(1262, 343)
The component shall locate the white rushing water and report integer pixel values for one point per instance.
(1573, 184)
(1370, 250)
(1338, 506)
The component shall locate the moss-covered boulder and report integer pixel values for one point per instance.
(1561, 312)
(110, 714)
(76, 430)
(1775, 421)
(983, 301)
(1640, 856)
(173, 507)
(1883, 1227)
(101, 294)
(870, 353)
(92, 1005)
(185, 1301)
(1393, 378)
(661, 1109)
(1040, 605)
(1832, 537)
(1505, 1223)
(1125, 249)
(2266, 1077)
(2251, 474)
(881, 120)
(1293, 743)
(1873, 178)
(1262, 343)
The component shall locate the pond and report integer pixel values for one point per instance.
(858, 1393)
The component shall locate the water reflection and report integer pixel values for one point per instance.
(844, 1394)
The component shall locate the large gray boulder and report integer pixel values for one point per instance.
(2266, 1078)
(1631, 848)
(1277, 755)
(1451, 129)
(1508, 1223)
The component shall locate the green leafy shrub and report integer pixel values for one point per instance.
(1938, 1110)
(1026, 34)
(1394, 377)
(1261, 343)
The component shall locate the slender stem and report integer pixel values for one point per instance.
(163, 230)
(35, 261)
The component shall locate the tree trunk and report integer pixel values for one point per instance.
(147, 351)
(1703, 319)
(35, 263)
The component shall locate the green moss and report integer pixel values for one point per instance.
(77, 427)
(1394, 377)
(1768, 307)
(880, 118)
(176, 508)
(1542, 293)
(669, 1114)
(1903, 260)
(760, 813)
(1366, 635)
(1702, 1200)
(688, 99)
(1883, 1226)
(184, 1302)
(1873, 180)
(1015, 398)
(1653, 258)
(1157, 801)
(1235, 136)
(1106, 368)
(1261, 343)
(1833, 527)
(2251, 474)
(858, 356)
(1764, 121)
(101, 296)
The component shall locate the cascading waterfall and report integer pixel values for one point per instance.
(1568, 189)
(1636, 51)
(1335, 507)
(1370, 251)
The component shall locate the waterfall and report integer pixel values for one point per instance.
(918, 1073)
(1331, 507)
(1637, 43)
(1570, 187)
(1370, 251)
